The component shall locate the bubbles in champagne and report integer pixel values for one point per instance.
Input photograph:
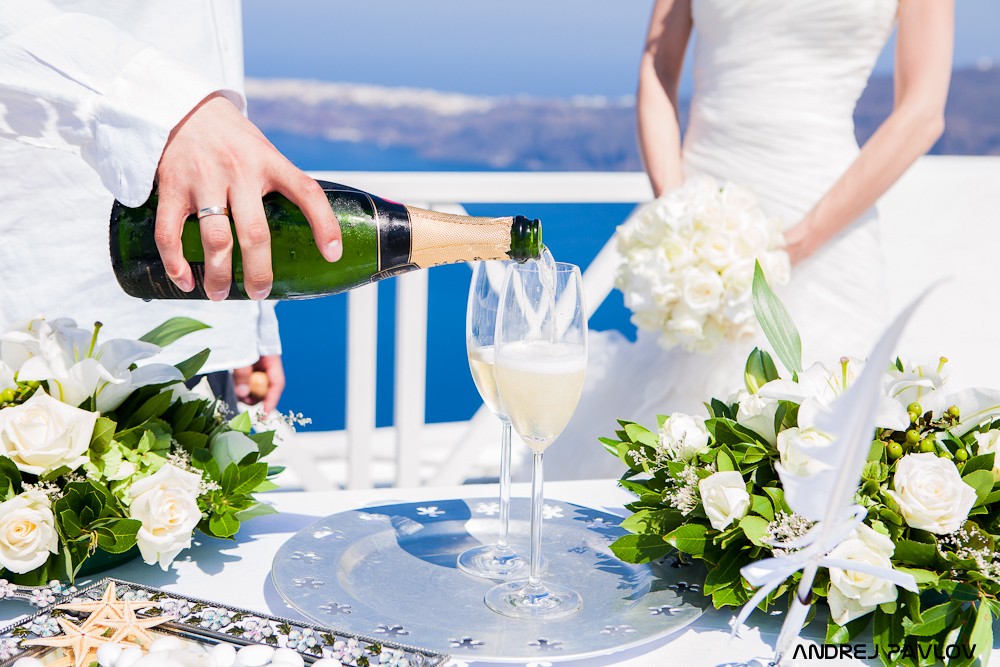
(547, 276)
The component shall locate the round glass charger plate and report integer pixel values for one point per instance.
(391, 572)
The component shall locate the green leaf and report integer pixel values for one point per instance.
(982, 633)
(260, 509)
(183, 416)
(690, 539)
(190, 366)
(933, 620)
(922, 576)
(266, 485)
(10, 479)
(915, 553)
(172, 329)
(837, 634)
(223, 524)
(728, 571)
(640, 548)
(642, 435)
(154, 407)
(265, 442)
(242, 423)
(191, 441)
(981, 462)
(657, 522)
(762, 506)
(724, 460)
(776, 323)
(119, 536)
(754, 528)
(250, 478)
(982, 482)
(104, 432)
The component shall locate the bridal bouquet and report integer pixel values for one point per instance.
(98, 454)
(688, 263)
(716, 488)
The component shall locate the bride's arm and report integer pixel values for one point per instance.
(659, 78)
(924, 42)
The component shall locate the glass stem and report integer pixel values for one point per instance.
(534, 580)
(502, 545)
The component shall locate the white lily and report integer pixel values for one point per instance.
(75, 368)
(922, 384)
(817, 388)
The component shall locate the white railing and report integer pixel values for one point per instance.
(942, 218)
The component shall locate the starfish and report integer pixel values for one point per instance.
(108, 607)
(128, 625)
(80, 641)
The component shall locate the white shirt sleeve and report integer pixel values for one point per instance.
(268, 339)
(78, 83)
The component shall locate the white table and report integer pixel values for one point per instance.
(238, 573)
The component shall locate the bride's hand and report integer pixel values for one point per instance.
(801, 241)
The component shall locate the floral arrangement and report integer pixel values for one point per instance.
(98, 454)
(716, 489)
(688, 263)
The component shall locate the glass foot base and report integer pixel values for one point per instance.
(487, 562)
(518, 599)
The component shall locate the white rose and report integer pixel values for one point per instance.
(931, 494)
(43, 434)
(685, 326)
(777, 267)
(27, 532)
(167, 504)
(724, 497)
(683, 436)
(988, 442)
(720, 248)
(792, 446)
(702, 290)
(757, 414)
(854, 594)
(231, 447)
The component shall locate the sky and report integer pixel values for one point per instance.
(548, 48)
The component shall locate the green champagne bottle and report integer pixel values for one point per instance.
(381, 239)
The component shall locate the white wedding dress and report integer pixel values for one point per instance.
(775, 85)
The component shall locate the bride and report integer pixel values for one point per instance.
(775, 85)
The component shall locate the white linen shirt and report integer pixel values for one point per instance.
(89, 91)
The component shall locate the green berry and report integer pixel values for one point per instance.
(914, 417)
(953, 411)
(961, 455)
(7, 396)
(913, 436)
(946, 455)
(895, 450)
(927, 445)
(914, 407)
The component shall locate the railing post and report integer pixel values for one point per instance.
(362, 334)
(411, 368)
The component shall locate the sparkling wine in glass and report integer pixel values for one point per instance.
(541, 358)
(500, 560)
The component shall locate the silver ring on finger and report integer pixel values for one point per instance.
(213, 210)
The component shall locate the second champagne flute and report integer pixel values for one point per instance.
(500, 560)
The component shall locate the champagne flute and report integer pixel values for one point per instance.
(541, 359)
(500, 560)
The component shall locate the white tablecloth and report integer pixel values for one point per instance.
(238, 574)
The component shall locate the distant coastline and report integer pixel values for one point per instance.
(591, 133)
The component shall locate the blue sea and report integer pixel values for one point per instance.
(313, 332)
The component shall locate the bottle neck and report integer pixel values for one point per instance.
(443, 238)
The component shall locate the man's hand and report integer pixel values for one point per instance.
(270, 364)
(216, 157)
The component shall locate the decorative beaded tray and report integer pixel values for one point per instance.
(391, 571)
(207, 623)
